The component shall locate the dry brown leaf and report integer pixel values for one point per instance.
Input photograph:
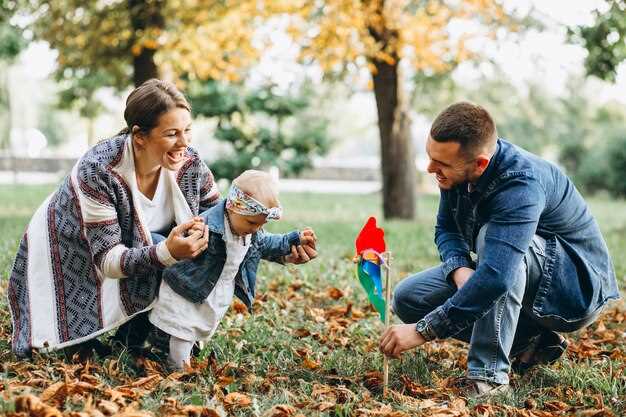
(320, 389)
(334, 293)
(302, 332)
(150, 367)
(239, 307)
(317, 314)
(199, 411)
(555, 405)
(226, 380)
(324, 405)
(309, 363)
(34, 407)
(108, 408)
(595, 413)
(281, 410)
(148, 383)
(134, 413)
(55, 390)
(237, 399)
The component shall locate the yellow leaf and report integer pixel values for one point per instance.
(136, 50)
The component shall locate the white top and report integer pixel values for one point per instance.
(190, 321)
(158, 214)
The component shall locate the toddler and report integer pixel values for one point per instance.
(196, 293)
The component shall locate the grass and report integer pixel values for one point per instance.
(317, 354)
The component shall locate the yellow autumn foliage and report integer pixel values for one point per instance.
(221, 39)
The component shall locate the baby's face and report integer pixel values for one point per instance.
(245, 225)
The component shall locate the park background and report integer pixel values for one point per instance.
(335, 98)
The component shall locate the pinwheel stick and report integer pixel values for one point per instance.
(387, 299)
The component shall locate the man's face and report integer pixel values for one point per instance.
(450, 166)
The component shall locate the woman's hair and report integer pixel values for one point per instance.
(149, 101)
(260, 186)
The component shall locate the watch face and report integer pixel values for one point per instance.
(421, 325)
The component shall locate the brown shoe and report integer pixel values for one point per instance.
(479, 389)
(544, 349)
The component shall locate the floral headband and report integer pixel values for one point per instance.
(241, 203)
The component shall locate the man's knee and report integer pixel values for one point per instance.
(415, 296)
(405, 305)
(518, 280)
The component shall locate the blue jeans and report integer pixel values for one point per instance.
(506, 329)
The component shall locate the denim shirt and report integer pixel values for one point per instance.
(194, 279)
(520, 195)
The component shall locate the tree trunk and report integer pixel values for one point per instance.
(397, 155)
(145, 16)
(396, 147)
(144, 67)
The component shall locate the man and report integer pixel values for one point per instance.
(541, 264)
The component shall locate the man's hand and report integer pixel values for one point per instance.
(306, 251)
(399, 338)
(461, 275)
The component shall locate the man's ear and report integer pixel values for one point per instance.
(482, 162)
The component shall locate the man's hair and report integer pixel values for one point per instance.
(468, 124)
(260, 186)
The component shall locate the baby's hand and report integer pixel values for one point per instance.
(307, 237)
(198, 225)
(306, 251)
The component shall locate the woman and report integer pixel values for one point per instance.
(87, 263)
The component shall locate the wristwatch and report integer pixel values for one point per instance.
(423, 328)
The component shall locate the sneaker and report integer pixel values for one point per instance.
(544, 349)
(479, 389)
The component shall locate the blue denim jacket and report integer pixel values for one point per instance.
(194, 279)
(518, 196)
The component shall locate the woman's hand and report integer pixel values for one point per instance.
(188, 240)
(306, 251)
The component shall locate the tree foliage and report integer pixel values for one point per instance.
(379, 34)
(219, 40)
(605, 40)
(11, 37)
(263, 127)
(12, 42)
(134, 40)
(587, 139)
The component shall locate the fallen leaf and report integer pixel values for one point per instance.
(33, 406)
(310, 363)
(239, 307)
(237, 399)
(281, 410)
(334, 293)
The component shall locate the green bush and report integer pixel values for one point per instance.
(617, 165)
(604, 166)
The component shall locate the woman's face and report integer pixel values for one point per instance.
(166, 143)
